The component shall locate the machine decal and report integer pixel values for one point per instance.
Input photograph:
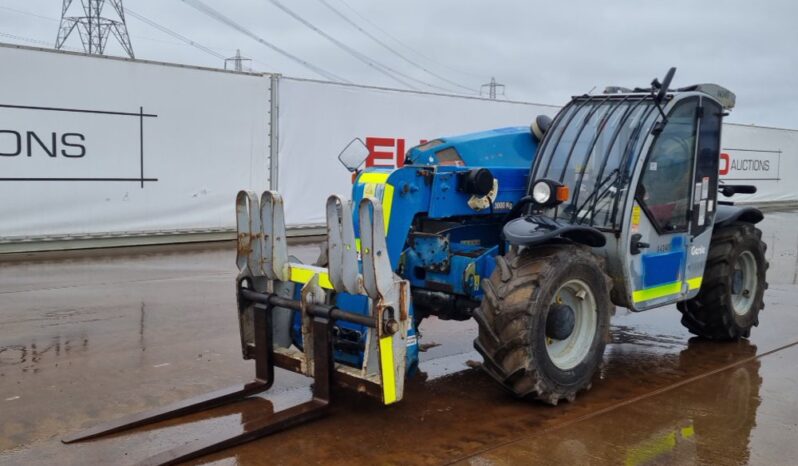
(694, 283)
(661, 291)
(635, 217)
(665, 266)
(373, 181)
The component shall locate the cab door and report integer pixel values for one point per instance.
(705, 193)
(658, 227)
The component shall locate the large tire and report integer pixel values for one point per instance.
(513, 317)
(725, 307)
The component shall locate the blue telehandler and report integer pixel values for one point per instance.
(535, 232)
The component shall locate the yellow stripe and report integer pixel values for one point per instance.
(657, 292)
(387, 203)
(386, 361)
(373, 177)
(371, 180)
(694, 283)
(303, 274)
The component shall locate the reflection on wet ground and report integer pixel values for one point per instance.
(90, 339)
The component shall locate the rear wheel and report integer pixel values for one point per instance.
(544, 322)
(734, 284)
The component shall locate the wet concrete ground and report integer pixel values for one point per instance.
(93, 337)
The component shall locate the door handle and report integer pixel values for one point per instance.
(636, 245)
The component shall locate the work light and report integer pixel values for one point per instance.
(548, 193)
(541, 192)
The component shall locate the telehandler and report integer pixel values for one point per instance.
(535, 232)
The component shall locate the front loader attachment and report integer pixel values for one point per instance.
(267, 300)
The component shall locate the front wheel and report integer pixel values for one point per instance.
(733, 288)
(544, 322)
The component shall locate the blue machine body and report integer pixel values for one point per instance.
(439, 236)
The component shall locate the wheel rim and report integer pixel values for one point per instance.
(570, 351)
(743, 283)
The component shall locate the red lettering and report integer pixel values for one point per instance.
(400, 153)
(372, 144)
(379, 155)
(724, 168)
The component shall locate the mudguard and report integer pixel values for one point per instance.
(728, 214)
(537, 229)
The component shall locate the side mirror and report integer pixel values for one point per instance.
(354, 154)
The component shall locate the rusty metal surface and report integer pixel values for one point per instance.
(88, 339)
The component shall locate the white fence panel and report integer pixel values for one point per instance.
(93, 145)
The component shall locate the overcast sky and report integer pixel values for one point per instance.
(542, 51)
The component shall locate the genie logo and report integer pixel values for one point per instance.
(698, 250)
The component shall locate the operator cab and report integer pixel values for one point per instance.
(635, 173)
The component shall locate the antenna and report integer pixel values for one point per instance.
(493, 87)
(94, 28)
(237, 62)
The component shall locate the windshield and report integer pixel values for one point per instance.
(591, 148)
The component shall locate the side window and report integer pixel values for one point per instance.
(705, 193)
(666, 179)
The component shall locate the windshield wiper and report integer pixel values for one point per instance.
(598, 193)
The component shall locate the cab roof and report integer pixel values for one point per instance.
(725, 97)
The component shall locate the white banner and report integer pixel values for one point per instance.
(318, 119)
(764, 157)
(92, 145)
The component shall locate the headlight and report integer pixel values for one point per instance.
(541, 192)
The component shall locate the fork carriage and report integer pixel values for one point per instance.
(267, 275)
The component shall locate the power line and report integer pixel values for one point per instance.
(127, 12)
(391, 49)
(381, 68)
(31, 40)
(174, 34)
(208, 11)
(407, 47)
(28, 13)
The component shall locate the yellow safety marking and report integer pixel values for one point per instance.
(387, 203)
(694, 283)
(386, 361)
(373, 177)
(300, 273)
(371, 180)
(635, 217)
(657, 292)
(688, 432)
